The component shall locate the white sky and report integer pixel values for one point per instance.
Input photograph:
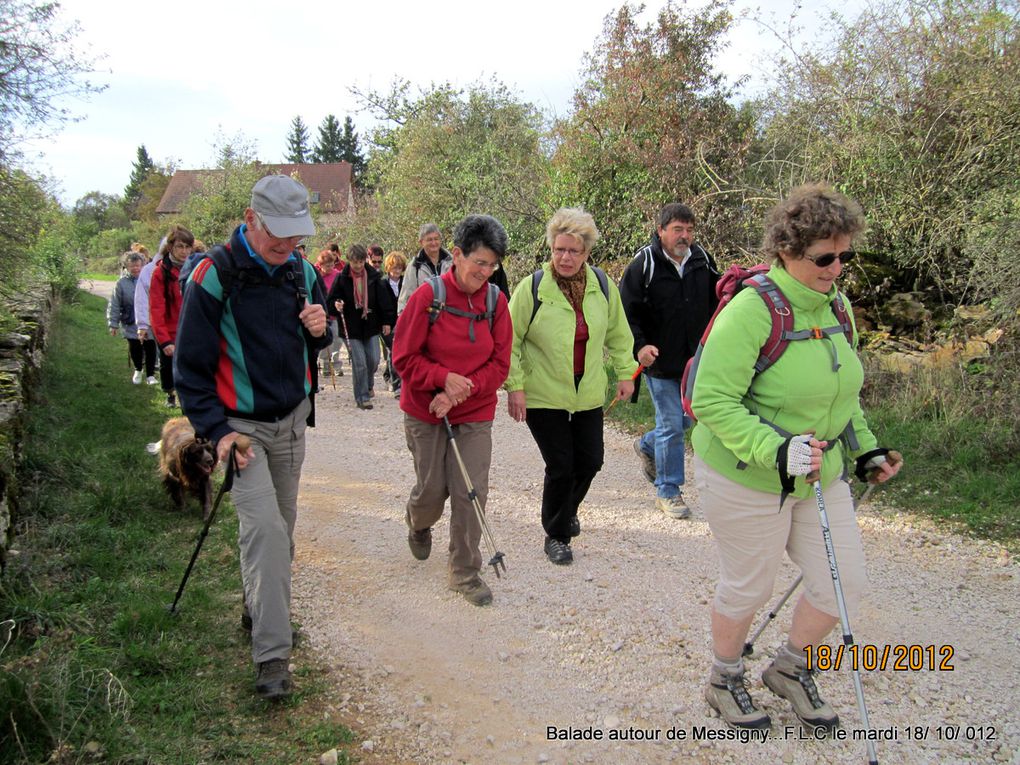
(185, 73)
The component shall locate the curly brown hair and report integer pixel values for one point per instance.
(809, 213)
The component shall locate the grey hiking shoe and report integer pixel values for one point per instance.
(727, 695)
(674, 507)
(558, 552)
(647, 461)
(273, 680)
(797, 685)
(475, 591)
(420, 543)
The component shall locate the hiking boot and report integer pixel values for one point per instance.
(575, 527)
(364, 405)
(647, 462)
(420, 543)
(273, 680)
(727, 695)
(797, 685)
(674, 507)
(136, 378)
(475, 591)
(558, 552)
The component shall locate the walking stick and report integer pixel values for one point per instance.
(497, 557)
(772, 614)
(243, 443)
(844, 619)
(633, 377)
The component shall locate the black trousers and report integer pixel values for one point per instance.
(166, 372)
(143, 350)
(573, 450)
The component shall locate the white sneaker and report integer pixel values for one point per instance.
(151, 380)
(136, 378)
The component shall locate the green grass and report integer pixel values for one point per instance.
(98, 277)
(96, 659)
(956, 471)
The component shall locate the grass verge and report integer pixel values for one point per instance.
(96, 669)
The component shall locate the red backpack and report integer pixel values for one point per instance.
(733, 281)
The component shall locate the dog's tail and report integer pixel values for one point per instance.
(153, 448)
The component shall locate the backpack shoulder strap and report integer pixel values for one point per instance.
(491, 301)
(603, 281)
(782, 321)
(438, 298)
(648, 266)
(536, 279)
(843, 317)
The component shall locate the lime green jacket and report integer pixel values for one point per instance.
(542, 357)
(800, 393)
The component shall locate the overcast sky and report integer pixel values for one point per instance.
(182, 74)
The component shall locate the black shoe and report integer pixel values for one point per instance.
(171, 401)
(420, 543)
(273, 680)
(575, 527)
(558, 552)
(364, 405)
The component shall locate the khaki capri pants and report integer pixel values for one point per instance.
(751, 532)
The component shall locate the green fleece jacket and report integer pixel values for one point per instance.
(542, 357)
(799, 393)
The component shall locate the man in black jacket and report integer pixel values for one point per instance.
(668, 293)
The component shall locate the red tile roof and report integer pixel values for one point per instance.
(330, 181)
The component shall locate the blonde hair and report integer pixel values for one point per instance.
(574, 222)
(395, 259)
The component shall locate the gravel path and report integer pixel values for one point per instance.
(617, 644)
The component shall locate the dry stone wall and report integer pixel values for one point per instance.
(21, 355)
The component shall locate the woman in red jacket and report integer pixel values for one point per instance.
(165, 302)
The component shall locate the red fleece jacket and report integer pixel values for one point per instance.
(424, 354)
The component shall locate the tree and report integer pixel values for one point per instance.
(329, 145)
(913, 111)
(38, 64)
(297, 141)
(653, 123)
(141, 168)
(452, 152)
(350, 151)
(99, 212)
(212, 212)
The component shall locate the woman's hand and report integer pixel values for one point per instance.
(113, 331)
(887, 467)
(457, 387)
(624, 389)
(441, 405)
(168, 350)
(517, 405)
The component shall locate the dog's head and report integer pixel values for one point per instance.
(199, 455)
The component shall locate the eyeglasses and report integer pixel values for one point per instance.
(561, 251)
(826, 260)
(484, 265)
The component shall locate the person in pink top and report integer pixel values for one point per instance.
(451, 366)
(326, 265)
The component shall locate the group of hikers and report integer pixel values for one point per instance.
(258, 321)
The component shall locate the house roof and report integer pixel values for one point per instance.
(329, 184)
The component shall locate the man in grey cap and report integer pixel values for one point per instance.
(251, 326)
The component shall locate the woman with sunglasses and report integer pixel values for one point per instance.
(761, 439)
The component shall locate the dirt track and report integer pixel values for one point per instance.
(616, 644)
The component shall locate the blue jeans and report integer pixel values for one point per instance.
(666, 442)
(364, 363)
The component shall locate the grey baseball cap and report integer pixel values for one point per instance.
(283, 204)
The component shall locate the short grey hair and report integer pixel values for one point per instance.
(426, 229)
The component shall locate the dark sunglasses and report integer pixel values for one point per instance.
(826, 260)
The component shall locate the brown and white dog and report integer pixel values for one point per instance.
(186, 464)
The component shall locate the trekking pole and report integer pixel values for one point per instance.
(844, 618)
(497, 557)
(633, 377)
(243, 443)
(772, 614)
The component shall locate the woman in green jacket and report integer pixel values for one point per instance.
(761, 438)
(557, 379)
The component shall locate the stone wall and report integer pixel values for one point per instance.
(21, 356)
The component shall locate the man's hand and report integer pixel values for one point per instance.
(168, 350)
(242, 458)
(385, 329)
(313, 316)
(113, 331)
(647, 355)
(143, 333)
(457, 387)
